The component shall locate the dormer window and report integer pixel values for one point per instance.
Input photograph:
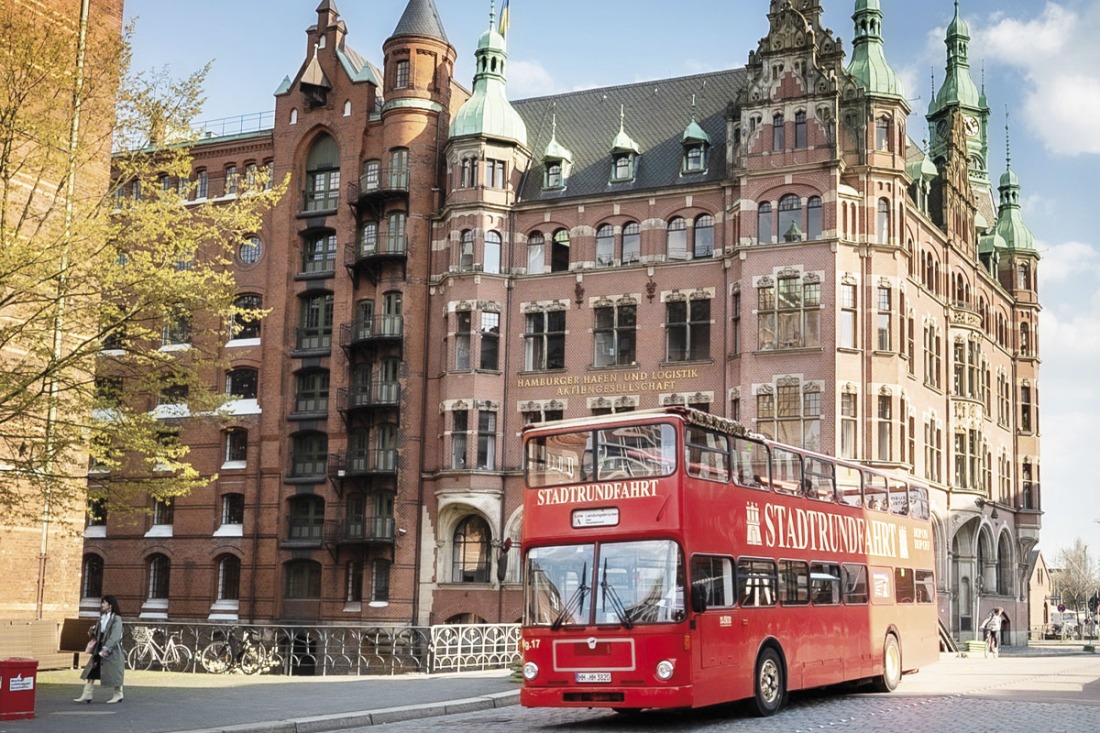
(695, 158)
(554, 177)
(622, 168)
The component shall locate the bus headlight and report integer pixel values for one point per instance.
(665, 668)
(530, 671)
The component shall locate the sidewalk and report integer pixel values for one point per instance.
(166, 702)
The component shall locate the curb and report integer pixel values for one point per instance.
(344, 721)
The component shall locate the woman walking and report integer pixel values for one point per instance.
(108, 663)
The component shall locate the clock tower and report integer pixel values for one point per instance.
(959, 92)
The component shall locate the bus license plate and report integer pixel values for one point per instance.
(593, 677)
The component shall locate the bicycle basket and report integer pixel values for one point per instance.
(142, 633)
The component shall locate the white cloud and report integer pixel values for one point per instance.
(1062, 261)
(531, 79)
(1060, 62)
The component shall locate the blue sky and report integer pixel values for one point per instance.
(1040, 61)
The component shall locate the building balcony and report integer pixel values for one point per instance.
(377, 394)
(372, 331)
(361, 530)
(370, 257)
(370, 462)
(373, 189)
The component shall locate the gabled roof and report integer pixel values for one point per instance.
(421, 18)
(658, 112)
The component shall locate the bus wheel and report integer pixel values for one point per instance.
(770, 685)
(891, 666)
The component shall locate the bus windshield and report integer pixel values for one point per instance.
(622, 452)
(620, 583)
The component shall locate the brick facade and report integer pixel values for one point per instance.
(452, 319)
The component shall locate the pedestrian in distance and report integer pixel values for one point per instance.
(107, 663)
(992, 627)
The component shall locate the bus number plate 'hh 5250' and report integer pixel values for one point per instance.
(593, 677)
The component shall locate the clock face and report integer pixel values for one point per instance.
(971, 124)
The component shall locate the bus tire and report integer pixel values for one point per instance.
(891, 665)
(770, 684)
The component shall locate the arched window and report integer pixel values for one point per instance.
(368, 239)
(559, 255)
(229, 578)
(303, 581)
(605, 246)
(1004, 567)
(246, 321)
(704, 236)
(677, 239)
(315, 321)
(323, 175)
(241, 384)
(790, 218)
(371, 178)
(813, 218)
(882, 134)
(311, 391)
(396, 236)
(883, 221)
(91, 578)
(306, 518)
(466, 251)
(399, 169)
(632, 242)
(158, 570)
(319, 253)
(800, 129)
(764, 223)
(536, 253)
(470, 562)
(309, 454)
(491, 257)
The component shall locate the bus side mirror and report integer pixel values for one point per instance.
(698, 598)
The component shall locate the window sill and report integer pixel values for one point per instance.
(300, 416)
(319, 275)
(159, 530)
(241, 343)
(229, 530)
(316, 213)
(672, 364)
(314, 479)
(299, 544)
(95, 531)
(309, 353)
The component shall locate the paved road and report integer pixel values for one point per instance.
(1038, 692)
(1045, 690)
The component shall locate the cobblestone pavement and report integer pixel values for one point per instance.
(1037, 691)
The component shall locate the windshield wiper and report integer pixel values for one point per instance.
(616, 602)
(575, 600)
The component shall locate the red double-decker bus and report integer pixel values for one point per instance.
(673, 559)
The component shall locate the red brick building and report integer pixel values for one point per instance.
(41, 560)
(766, 243)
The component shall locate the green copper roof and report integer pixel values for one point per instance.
(869, 65)
(920, 166)
(958, 86)
(488, 113)
(694, 133)
(623, 143)
(554, 149)
(1010, 222)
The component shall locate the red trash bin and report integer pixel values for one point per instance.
(18, 678)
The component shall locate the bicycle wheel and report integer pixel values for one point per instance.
(217, 657)
(141, 656)
(177, 658)
(274, 663)
(252, 661)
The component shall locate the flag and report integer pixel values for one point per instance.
(502, 26)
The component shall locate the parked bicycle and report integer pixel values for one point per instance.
(173, 656)
(248, 654)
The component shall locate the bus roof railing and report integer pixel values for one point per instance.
(688, 414)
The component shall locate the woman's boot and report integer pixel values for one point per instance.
(117, 697)
(85, 696)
